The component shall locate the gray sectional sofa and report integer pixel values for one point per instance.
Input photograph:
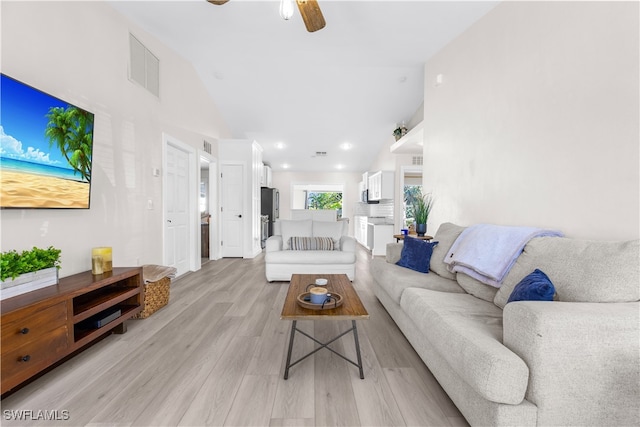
(574, 361)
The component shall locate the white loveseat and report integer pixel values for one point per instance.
(575, 361)
(281, 261)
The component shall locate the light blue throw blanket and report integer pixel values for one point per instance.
(487, 252)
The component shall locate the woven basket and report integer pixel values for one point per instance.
(156, 296)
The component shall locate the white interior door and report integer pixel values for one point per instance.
(232, 185)
(177, 209)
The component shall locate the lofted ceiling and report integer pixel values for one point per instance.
(274, 82)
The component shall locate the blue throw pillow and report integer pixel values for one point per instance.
(535, 287)
(416, 254)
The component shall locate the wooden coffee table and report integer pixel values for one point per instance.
(351, 309)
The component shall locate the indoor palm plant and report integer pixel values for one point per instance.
(422, 205)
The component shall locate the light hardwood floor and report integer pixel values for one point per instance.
(215, 356)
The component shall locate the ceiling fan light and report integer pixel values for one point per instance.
(286, 9)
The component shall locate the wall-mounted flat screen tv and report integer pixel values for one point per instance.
(46, 149)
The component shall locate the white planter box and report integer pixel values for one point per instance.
(28, 282)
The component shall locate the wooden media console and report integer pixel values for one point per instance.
(41, 327)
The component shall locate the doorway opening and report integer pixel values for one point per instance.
(411, 185)
(207, 204)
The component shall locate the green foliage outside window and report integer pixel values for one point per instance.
(330, 201)
(411, 193)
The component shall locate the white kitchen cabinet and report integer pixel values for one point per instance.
(365, 181)
(373, 236)
(360, 230)
(382, 234)
(370, 235)
(381, 185)
(267, 177)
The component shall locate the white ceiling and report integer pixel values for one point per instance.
(274, 82)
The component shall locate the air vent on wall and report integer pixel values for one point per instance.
(144, 66)
(416, 160)
(206, 146)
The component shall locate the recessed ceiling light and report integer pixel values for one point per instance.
(285, 166)
(280, 145)
(339, 166)
(346, 146)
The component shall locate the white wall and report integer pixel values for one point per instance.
(537, 120)
(78, 51)
(284, 182)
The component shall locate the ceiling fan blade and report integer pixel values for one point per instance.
(218, 2)
(311, 15)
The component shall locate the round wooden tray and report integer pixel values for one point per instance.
(331, 304)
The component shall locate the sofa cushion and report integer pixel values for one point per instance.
(416, 254)
(310, 257)
(467, 331)
(395, 279)
(476, 287)
(291, 228)
(534, 287)
(311, 243)
(394, 252)
(581, 270)
(447, 234)
(333, 229)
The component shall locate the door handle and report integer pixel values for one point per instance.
(239, 216)
(169, 221)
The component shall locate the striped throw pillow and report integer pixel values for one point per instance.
(311, 244)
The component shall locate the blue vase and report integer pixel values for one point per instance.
(421, 229)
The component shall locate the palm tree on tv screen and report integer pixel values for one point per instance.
(71, 129)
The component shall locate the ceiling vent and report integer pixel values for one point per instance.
(416, 160)
(320, 154)
(144, 66)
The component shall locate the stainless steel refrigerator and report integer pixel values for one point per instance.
(270, 202)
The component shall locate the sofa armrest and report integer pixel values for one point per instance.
(273, 244)
(583, 359)
(394, 250)
(347, 244)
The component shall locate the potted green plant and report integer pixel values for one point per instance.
(422, 205)
(28, 270)
(400, 131)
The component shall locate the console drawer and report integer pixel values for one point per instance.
(22, 362)
(24, 326)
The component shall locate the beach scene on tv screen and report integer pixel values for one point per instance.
(45, 149)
